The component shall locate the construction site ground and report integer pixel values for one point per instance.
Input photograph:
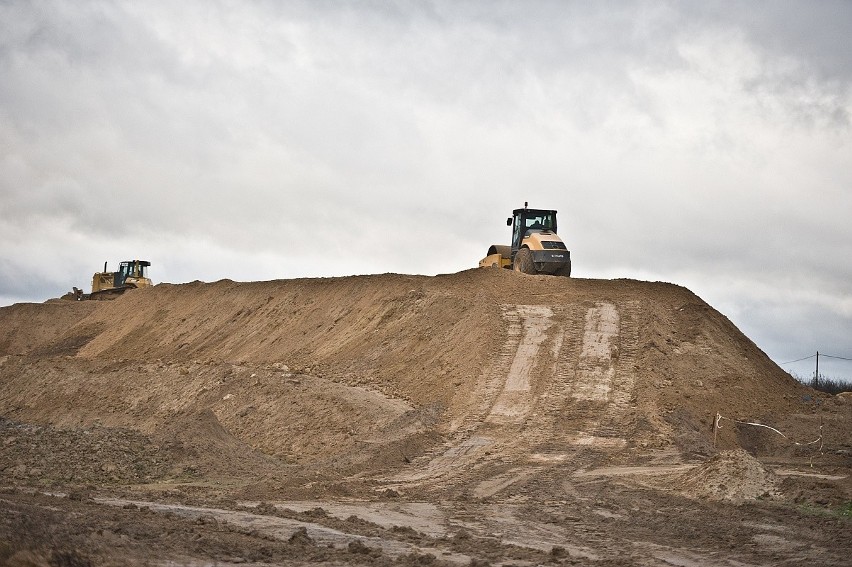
(484, 417)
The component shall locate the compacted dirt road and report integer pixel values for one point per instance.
(484, 417)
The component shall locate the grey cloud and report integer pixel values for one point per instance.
(813, 33)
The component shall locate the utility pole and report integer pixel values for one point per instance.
(816, 374)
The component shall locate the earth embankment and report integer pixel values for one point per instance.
(483, 386)
(645, 363)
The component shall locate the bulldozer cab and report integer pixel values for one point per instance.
(131, 269)
(525, 221)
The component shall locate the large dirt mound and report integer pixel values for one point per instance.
(311, 369)
(508, 416)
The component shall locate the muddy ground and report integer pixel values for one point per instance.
(484, 417)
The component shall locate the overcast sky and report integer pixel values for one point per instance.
(701, 143)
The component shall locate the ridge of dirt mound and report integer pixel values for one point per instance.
(732, 475)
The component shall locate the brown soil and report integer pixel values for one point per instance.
(484, 417)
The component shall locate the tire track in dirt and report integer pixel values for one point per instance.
(505, 392)
(562, 370)
(515, 401)
(587, 402)
(602, 382)
(617, 421)
(494, 377)
(594, 367)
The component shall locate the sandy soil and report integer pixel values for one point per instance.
(484, 417)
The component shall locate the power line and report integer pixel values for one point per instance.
(813, 356)
(800, 359)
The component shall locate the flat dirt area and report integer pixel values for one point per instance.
(479, 418)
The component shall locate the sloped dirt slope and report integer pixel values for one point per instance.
(531, 407)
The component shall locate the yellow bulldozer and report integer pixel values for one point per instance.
(535, 247)
(131, 274)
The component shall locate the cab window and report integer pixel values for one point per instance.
(543, 221)
(516, 229)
